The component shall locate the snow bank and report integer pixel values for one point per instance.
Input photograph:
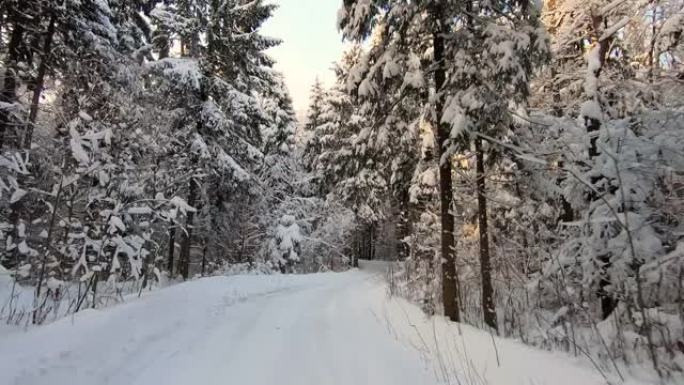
(462, 354)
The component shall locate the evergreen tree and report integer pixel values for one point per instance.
(311, 143)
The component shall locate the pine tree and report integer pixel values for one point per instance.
(316, 97)
(311, 143)
(225, 76)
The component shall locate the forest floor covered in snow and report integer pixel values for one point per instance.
(332, 328)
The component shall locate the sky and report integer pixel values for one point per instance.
(310, 45)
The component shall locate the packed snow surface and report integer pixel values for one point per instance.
(333, 328)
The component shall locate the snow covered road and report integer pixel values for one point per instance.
(317, 329)
(258, 330)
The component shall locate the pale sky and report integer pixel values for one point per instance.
(311, 44)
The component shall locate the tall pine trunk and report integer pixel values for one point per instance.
(488, 307)
(449, 287)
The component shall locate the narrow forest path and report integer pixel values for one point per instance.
(258, 330)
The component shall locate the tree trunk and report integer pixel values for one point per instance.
(593, 126)
(184, 259)
(172, 249)
(2, 23)
(652, 59)
(149, 265)
(404, 226)
(488, 306)
(356, 254)
(367, 243)
(449, 288)
(204, 258)
(371, 240)
(40, 80)
(8, 93)
(96, 280)
(162, 43)
(193, 195)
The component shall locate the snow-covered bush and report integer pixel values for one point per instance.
(285, 245)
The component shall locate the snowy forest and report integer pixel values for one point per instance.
(521, 162)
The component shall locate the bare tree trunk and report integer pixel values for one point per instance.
(488, 306)
(40, 80)
(449, 288)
